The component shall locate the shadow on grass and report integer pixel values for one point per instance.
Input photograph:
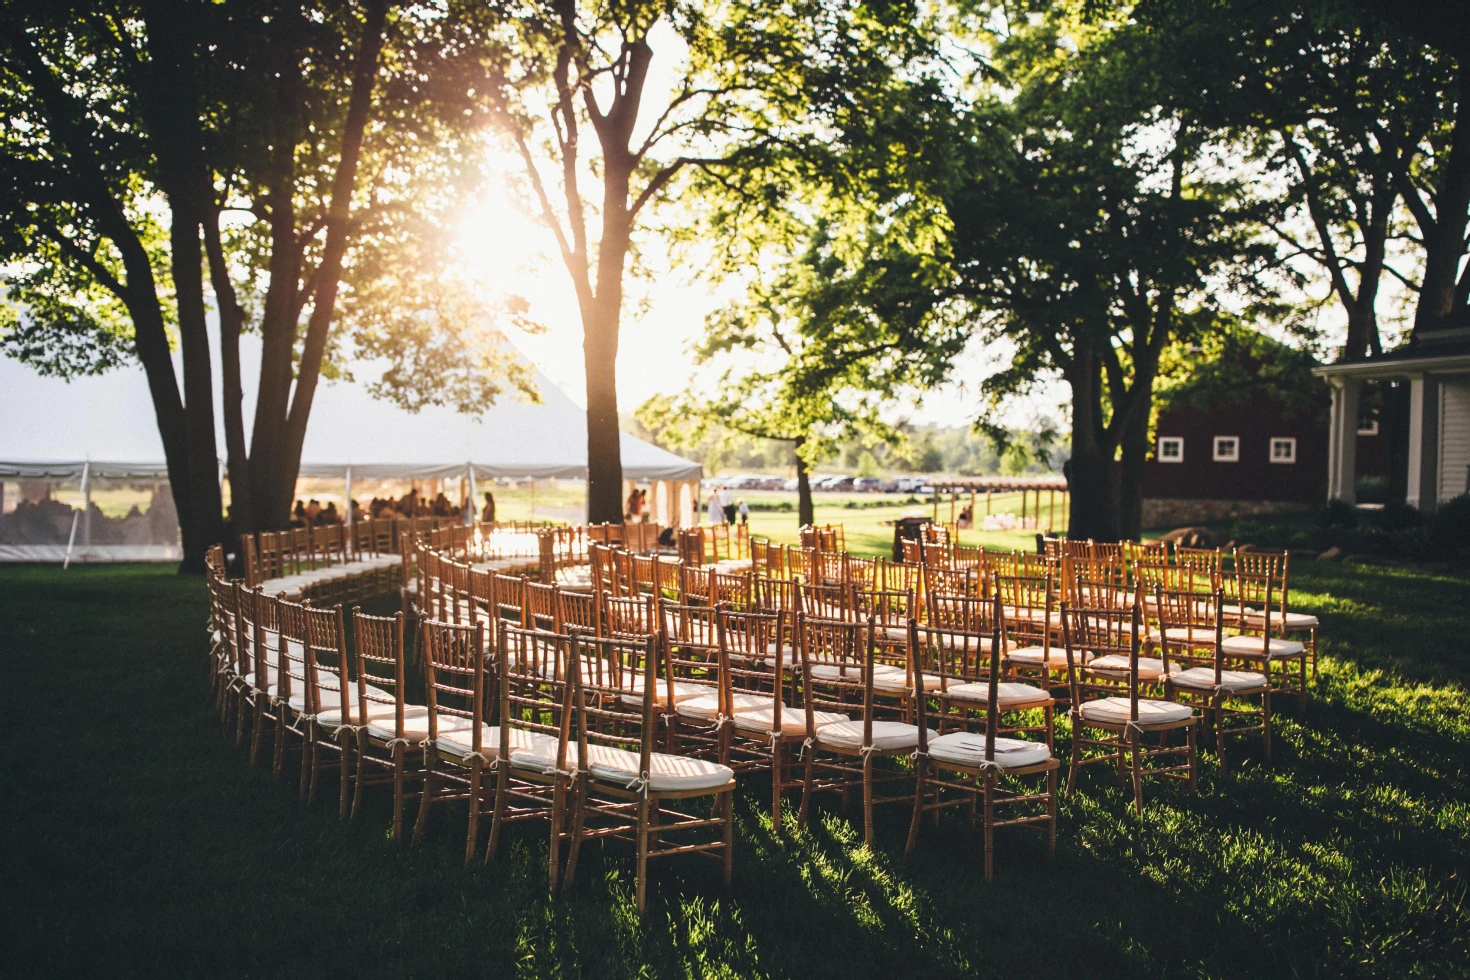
(138, 841)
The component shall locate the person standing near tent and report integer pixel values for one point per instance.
(729, 507)
(487, 513)
(715, 514)
(743, 509)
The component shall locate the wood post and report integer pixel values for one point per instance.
(1051, 514)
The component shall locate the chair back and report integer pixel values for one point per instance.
(456, 666)
(377, 644)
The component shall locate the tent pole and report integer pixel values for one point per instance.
(533, 499)
(348, 502)
(474, 496)
(72, 538)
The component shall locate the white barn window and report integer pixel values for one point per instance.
(1171, 449)
(1283, 449)
(1227, 449)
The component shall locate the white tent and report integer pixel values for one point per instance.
(53, 430)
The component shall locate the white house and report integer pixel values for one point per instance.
(1436, 366)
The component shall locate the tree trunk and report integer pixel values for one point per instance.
(805, 513)
(1444, 240)
(1091, 472)
(604, 441)
(1130, 474)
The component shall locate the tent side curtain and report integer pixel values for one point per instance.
(678, 469)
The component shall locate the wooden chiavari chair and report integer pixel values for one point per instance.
(508, 600)
(1286, 622)
(580, 610)
(390, 731)
(535, 772)
(768, 558)
(1029, 631)
(1113, 552)
(698, 726)
(604, 569)
(540, 611)
(913, 551)
(624, 787)
(1209, 563)
(1252, 589)
(320, 707)
(1192, 633)
(953, 674)
(864, 573)
(1125, 720)
(983, 757)
(826, 601)
(950, 581)
(636, 617)
(461, 746)
(756, 657)
(1099, 570)
(838, 669)
(776, 594)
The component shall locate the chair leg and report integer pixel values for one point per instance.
(307, 751)
(868, 799)
(425, 797)
(257, 730)
(579, 812)
(361, 773)
(1193, 760)
(553, 863)
(344, 781)
(1051, 813)
(729, 837)
(472, 837)
(642, 884)
(1218, 709)
(1136, 767)
(989, 825)
(778, 772)
(1302, 680)
(502, 782)
(278, 763)
(919, 796)
(1266, 724)
(806, 790)
(1076, 760)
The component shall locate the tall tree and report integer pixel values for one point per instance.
(308, 156)
(750, 83)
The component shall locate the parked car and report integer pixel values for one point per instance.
(867, 484)
(905, 484)
(836, 483)
(791, 484)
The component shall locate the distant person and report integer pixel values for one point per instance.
(743, 509)
(329, 514)
(714, 513)
(355, 509)
(298, 516)
(642, 506)
(967, 517)
(313, 510)
(630, 506)
(728, 507)
(487, 513)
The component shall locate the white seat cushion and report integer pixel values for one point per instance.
(706, 707)
(888, 736)
(854, 675)
(896, 682)
(1115, 711)
(666, 773)
(416, 725)
(968, 749)
(1054, 658)
(683, 691)
(1234, 681)
(1116, 665)
(1252, 646)
(1185, 634)
(534, 743)
(331, 707)
(1294, 621)
(792, 720)
(1009, 694)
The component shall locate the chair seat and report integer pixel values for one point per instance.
(1010, 695)
(832, 672)
(666, 773)
(1294, 621)
(968, 749)
(1116, 665)
(888, 736)
(331, 707)
(792, 720)
(706, 707)
(1115, 711)
(1185, 634)
(1253, 646)
(416, 726)
(1053, 658)
(896, 682)
(683, 691)
(521, 741)
(1234, 681)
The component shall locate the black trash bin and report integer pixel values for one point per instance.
(907, 529)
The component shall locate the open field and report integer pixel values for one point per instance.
(138, 842)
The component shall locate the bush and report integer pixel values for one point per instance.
(1340, 513)
(1449, 528)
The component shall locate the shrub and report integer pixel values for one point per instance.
(1449, 528)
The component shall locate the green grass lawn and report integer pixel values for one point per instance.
(138, 842)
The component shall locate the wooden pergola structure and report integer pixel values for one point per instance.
(1049, 483)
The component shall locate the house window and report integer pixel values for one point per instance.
(1227, 449)
(1171, 449)
(1367, 427)
(1283, 450)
